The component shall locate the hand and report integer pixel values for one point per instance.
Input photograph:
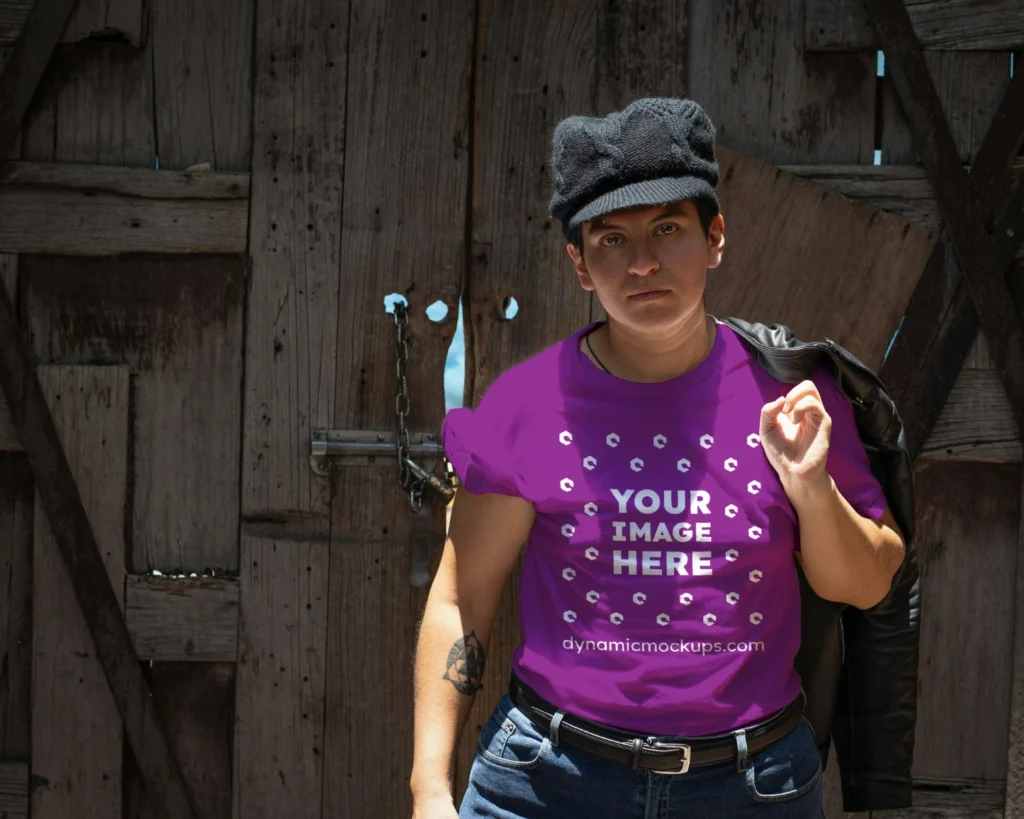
(795, 433)
(434, 806)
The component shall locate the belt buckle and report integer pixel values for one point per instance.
(685, 749)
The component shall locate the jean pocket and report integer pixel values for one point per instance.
(787, 769)
(510, 740)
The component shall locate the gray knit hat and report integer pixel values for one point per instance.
(655, 151)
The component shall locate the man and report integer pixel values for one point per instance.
(674, 489)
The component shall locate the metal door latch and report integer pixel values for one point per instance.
(330, 447)
(355, 446)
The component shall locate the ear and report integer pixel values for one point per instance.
(716, 241)
(581, 267)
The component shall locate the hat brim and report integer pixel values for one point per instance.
(646, 193)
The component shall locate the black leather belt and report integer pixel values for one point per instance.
(671, 755)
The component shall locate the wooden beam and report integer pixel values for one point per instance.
(26, 63)
(183, 618)
(144, 183)
(77, 753)
(92, 210)
(55, 484)
(900, 189)
(951, 25)
(73, 533)
(940, 323)
(963, 219)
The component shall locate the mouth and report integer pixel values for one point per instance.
(646, 295)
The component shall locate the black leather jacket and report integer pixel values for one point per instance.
(859, 668)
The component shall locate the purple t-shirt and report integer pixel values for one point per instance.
(659, 592)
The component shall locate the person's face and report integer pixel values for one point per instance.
(661, 248)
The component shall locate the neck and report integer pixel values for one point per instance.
(634, 356)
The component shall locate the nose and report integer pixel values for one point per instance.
(641, 261)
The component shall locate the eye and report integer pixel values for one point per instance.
(612, 236)
(674, 228)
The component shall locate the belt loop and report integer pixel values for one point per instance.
(741, 750)
(637, 744)
(556, 720)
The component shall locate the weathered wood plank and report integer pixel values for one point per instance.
(527, 79)
(16, 507)
(641, 51)
(979, 358)
(976, 423)
(95, 106)
(953, 25)
(25, 63)
(141, 183)
(77, 744)
(767, 97)
(202, 70)
(9, 441)
(177, 323)
(77, 223)
(963, 812)
(9, 274)
(867, 261)
(968, 527)
(279, 705)
(182, 618)
(417, 246)
(970, 87)
(196, 701)
(899, 189)
(950, 793)
(299, 115)
(1015, 744)
(964, 217)
(292, 326)
(104, 105)
(13, 789)
(120, 19)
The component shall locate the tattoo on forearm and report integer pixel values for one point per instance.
(465, 668)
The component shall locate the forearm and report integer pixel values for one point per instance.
(450, 659)
(846, 557)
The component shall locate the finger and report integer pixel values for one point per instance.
(810, 407)
(772, 410)
(770, 413)
(804, 388)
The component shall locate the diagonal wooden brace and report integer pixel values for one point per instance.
(962, 218)
(938, 330)
(53, 479)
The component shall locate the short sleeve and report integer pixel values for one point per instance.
(480, 443)
(847, 459)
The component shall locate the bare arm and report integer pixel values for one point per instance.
(485, 535)
(846, 557)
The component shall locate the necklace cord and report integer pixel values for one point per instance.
(598, 360)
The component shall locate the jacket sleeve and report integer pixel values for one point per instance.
(876, 711)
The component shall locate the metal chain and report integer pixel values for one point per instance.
(405, 478)
(411, 476)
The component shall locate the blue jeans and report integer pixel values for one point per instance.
(518, 774)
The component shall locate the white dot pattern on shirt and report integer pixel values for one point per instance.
(683, 465)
